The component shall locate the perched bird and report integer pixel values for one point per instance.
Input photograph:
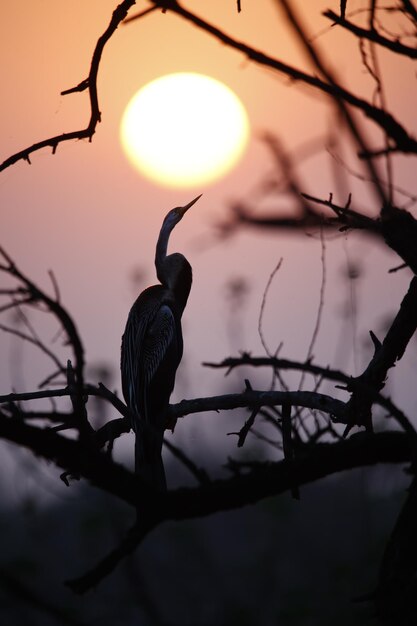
(152, 349)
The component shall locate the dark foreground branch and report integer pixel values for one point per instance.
(249, 398)
(264, 480)
(311, 463)
(73, 456)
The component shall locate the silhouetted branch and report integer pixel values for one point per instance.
(247, 426)
(32, 294)
(345, 215)
(261, 481)
(89, 83)
(247, 359)
(385, 120)
(410, 9)
(326, 373)
(307, 399)
(372, 35)
(399, 229)
(397, 226)
(248, 398)
(74, 456)
(386, 354)
(129, 543)
(241, 215)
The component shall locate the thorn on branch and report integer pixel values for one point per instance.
(248, 386)
(54, 285)
(397, 268)
(347, 205)
(82, 86)
(375, 341)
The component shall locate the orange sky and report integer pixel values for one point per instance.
(87, 215)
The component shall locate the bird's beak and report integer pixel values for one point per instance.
(183, 209)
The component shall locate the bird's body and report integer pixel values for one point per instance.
(152, 348)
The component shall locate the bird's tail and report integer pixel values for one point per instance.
(148, 458)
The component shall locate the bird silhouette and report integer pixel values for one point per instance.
(152, 348)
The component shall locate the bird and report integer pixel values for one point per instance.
(151, 351)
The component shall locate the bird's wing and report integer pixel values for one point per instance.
(157, 340)
(146, 341)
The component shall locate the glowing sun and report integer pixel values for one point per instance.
(184, 129)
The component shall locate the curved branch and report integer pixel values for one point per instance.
(249, 398)
(36, 295)
(89, 83)
(252, 398)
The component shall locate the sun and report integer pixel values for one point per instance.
(184, 129)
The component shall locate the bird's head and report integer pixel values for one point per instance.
(176, 215)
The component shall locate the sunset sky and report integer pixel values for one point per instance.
(89, 216)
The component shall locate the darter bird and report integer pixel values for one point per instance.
(152, 347)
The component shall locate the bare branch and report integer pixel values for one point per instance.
(130, 542)
(350, 218)
(315, 370)
(372, 35)
(262, 481)
(386, 354)
(385, 120)
(89, 83)
(35, 294)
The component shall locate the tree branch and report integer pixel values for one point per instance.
(262, 481)
(386, 354)
(315, 370)
(385, 120)
(372, 35)
(89, 83)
